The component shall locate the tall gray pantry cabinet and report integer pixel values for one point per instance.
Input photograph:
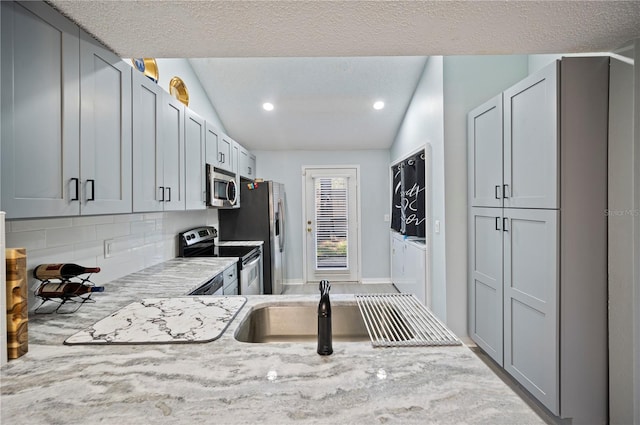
(66, 118)
(537, 192)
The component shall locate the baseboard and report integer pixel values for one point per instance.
(376, 280)
(365, 281)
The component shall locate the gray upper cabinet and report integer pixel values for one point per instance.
(148, 174)
(513, 145)
(224, 153)
(105, 130)
(173, 154)
(484, 126)
(531, 141)
(158, 148)
(246, 163)
(212, 135)
(40, 105)
(194, 149)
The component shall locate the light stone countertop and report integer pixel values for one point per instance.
(230, 382)
(240, 243)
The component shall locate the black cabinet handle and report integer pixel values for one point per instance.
(497, 192)
(169, 197)
(505, 221)
(77, 185)
(162, 191)
(249, 170)
(505, 190)
(498, 223)
(93, 190)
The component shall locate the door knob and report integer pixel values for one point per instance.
(309, 229)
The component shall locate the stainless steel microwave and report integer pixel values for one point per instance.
(222, 190)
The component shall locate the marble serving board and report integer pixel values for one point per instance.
(164, 321)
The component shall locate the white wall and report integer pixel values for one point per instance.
(468, 81)
(423, 126)
(286, 167)
(139, 241)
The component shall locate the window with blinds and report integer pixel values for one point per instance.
(332, 224)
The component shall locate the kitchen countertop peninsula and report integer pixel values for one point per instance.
(230, 382)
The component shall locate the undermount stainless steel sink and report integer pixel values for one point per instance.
(299, 323)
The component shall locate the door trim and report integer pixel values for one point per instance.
(304, 214)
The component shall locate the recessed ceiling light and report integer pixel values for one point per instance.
(267, 106)
(378, 105)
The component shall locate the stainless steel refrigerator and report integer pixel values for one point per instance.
(261, 217)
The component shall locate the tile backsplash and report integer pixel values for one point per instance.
(135, 241)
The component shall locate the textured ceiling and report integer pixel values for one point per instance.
(324, 101)
(239, 28)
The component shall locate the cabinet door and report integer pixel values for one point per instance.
(173, 154)
(251, 168)
(531, 141)
(40, 112)
(531, 287)
(212, 134)
(147, 144)
(484, 127)
(224, 153)
(243, 162)
(194, 150)
(105, 130)
(397, 260)
(485, 280)
(415, 271)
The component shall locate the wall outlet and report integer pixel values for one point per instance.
(108, 248)
(387, 218)
(436, 227)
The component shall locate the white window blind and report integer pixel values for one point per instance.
(332, 224)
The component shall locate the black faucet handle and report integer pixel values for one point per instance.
(325, 286)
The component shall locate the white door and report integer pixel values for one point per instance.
(331, 224)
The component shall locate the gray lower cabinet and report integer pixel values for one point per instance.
(531, 282)
(486, 280)
(230, 285)
(40, 112)
(538, 265)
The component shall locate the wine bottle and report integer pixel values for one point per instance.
(61, 271)
(325, 346)
(65, 289)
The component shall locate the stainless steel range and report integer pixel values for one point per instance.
(200, 242)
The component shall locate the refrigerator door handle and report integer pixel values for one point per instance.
(281, 224)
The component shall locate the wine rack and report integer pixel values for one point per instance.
(67, 303)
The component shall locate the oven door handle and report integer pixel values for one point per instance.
(252, 263)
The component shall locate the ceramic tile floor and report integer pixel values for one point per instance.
(341, 288)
